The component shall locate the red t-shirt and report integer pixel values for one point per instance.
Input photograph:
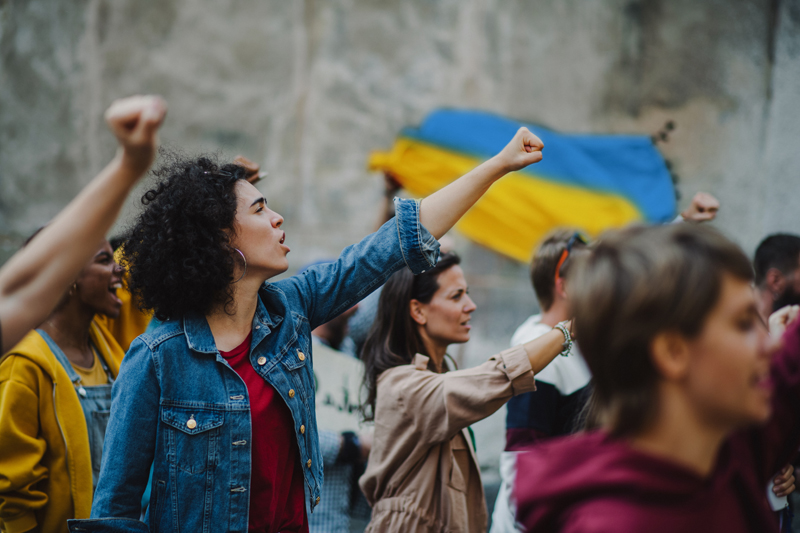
(277, 499)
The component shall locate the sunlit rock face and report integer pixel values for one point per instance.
(308, 89)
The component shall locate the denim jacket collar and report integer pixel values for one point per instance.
(200, 339)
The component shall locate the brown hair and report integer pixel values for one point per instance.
(634, 284)
(545, 260)
(394, 339)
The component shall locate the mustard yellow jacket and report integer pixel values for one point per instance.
(45, 466)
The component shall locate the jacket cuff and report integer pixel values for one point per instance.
(420, 249)
(517, 367)
(20, 524)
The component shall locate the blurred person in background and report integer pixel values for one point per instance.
(344, 454)
(422, 473)
(562, 388)
(217, 397)
(33, 281)
(695, 413)
(777, 266)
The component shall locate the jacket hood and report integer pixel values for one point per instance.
(560, 473)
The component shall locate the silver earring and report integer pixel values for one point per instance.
(245, 265)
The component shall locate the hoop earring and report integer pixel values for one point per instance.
(245, 265)
(73, 289)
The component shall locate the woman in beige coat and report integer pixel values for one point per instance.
(422, 474)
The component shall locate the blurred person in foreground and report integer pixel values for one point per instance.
(777, 266)
(423, 473)
(33, 281)
(220, 397)
(55, 385)
(694, 413)
(563, 387)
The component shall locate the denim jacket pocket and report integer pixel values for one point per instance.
(192, 436)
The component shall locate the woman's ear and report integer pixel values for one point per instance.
(669, 352)
(417, 310)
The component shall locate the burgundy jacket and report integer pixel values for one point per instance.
(591, 482)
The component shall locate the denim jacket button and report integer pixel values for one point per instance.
(308, 463)
(191, 423)
(302, 430)
(301, 355)
(262, 360)
(316, 502)
(291, 393)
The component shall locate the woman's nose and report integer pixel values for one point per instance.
(469, 305)
(277, 220)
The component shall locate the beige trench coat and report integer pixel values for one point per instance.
(423, 475)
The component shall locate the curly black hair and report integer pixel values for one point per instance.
(178, 254)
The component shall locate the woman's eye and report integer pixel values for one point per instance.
(746, 324)
(259, 209)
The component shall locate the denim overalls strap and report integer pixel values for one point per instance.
(95, 402)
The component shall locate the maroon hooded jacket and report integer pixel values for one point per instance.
(591, 482)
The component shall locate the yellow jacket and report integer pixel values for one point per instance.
(45, 465)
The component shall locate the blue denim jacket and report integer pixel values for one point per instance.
(178, 404)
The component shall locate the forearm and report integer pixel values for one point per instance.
(34, 279)
(542, 350)
(442, 209)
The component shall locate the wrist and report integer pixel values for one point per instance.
(136, 162)
(497, 167)
(564, 328)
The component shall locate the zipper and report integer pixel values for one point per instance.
(63, 437)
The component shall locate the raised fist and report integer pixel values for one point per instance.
(251, 167)
(135, 121)
(524, 149)
(703, 208)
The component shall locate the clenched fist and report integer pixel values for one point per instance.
(135, 121)
(523, 150)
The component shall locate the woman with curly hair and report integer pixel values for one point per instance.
(220, 397)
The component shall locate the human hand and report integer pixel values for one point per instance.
(252, 169)
(135, 121)
(523, 150)
(784, 482)
(780, 320)
(703, 208)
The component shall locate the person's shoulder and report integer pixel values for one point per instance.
(531, 329)
(27, 360)
(153, 338)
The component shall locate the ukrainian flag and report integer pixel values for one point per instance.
(587, 182)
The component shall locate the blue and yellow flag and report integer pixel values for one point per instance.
(587, 182)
